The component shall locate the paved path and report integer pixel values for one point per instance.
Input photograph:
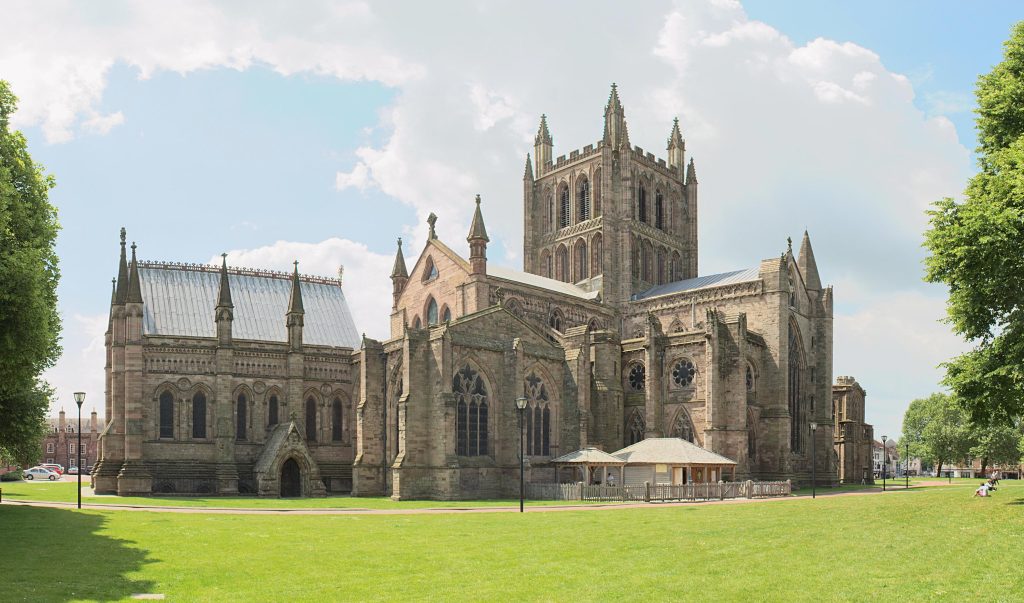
(431, 511)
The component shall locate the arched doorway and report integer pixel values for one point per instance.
(291, 485)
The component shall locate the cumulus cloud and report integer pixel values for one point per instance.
(102, 124)
(786, 136)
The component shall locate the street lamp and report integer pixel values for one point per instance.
(885, 462)
(79, 398)
(814, 480)
(520, 407)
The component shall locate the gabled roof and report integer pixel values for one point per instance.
(589, 456)
(541, 282)
(179, 300)
(669, 451)
(702, 282)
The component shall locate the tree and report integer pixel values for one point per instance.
(996, 444)
(937, 428)
(975, 249)
(29, 323)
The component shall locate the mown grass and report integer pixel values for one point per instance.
(64, 491)
(831, 548)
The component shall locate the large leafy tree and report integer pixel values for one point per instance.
(29, 323)
(937, 428)
(996, 444)
(976, 250)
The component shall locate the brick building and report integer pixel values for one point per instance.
(59, 444)
(609, 333)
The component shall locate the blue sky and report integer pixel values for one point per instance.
(324, 134)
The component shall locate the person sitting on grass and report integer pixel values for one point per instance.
(982, 490)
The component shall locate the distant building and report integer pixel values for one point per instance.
(853, 436)
(61, 441)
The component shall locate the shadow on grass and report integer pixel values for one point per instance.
(60, 555)
(1019, 501)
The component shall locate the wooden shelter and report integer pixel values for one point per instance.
(673, 461)
(590, 465)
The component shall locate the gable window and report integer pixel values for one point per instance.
(199, 415)
(430, 270)
(471, 426)
(336, 418)
(241, 420)
(166, 415)
(272, 411)
(310, 419)
(432, 312)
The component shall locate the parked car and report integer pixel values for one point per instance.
(58, 469)
(72, 470)
(41, 473)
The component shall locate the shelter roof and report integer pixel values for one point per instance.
(669, 451)
(179, 300)
(588, 456)
(702, 282)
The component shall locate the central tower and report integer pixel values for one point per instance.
(610, 217)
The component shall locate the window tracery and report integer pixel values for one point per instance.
(471, 426)
(637, 377)
(683, 372)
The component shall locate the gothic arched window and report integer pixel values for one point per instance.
(336, 420)
(562, 264)
(430, 270)
(310, 419)
(641, 204)
(199, 415)
(555, 320)
(636, 428)
(595, 265)
(431, 312)
(659, 210)
(596, 194)
(167, 415)
(538, 416)
(583, 199)
(446, 314)
(795, 402)
(272, 411)
(471, 426)
(637, 377)
(416, 324)
(240, 417)
(582, 261)
(563, 207)
(682, 427)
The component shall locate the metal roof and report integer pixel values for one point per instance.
(538, 281)
(702, 282)
(589, 456)
(669, 451)
(179, 300)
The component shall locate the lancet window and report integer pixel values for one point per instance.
(471, 423)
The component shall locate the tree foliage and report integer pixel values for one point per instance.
(996, 444)
(938, 429)
(29, 323)
(976, 249)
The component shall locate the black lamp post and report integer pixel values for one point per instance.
(79, 398)
(906, 472)
(885, 461)
(814, 440)
(520, 407)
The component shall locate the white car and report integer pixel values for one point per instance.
(40, 473)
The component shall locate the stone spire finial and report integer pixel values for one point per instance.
(399, 270)
(477, 231)
(224, 296)
(543, 135)
(295, 302)
(341, 274)
(808, 267)
(432, 221)
(122, 273)
(691, 173)
(134, 284)
(528, 172)
(616, 134)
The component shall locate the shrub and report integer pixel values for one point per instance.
(12, 476)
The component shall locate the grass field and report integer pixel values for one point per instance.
(935, 543)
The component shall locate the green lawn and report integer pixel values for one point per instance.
(940, 544)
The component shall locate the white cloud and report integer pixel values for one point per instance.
(102, 124)
(785, 136)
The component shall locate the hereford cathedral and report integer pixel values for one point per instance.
(224, 380)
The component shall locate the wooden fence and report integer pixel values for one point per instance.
(658, 492)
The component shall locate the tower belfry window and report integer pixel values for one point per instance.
(641, 204)
(583, 200)
(659, 210)
(563, 211)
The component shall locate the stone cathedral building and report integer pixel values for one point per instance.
(609, 332)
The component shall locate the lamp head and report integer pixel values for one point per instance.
(520, 402)
(884, 438)
(814, 426)
(79, 398)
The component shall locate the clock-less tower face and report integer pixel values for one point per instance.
(610, 217)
